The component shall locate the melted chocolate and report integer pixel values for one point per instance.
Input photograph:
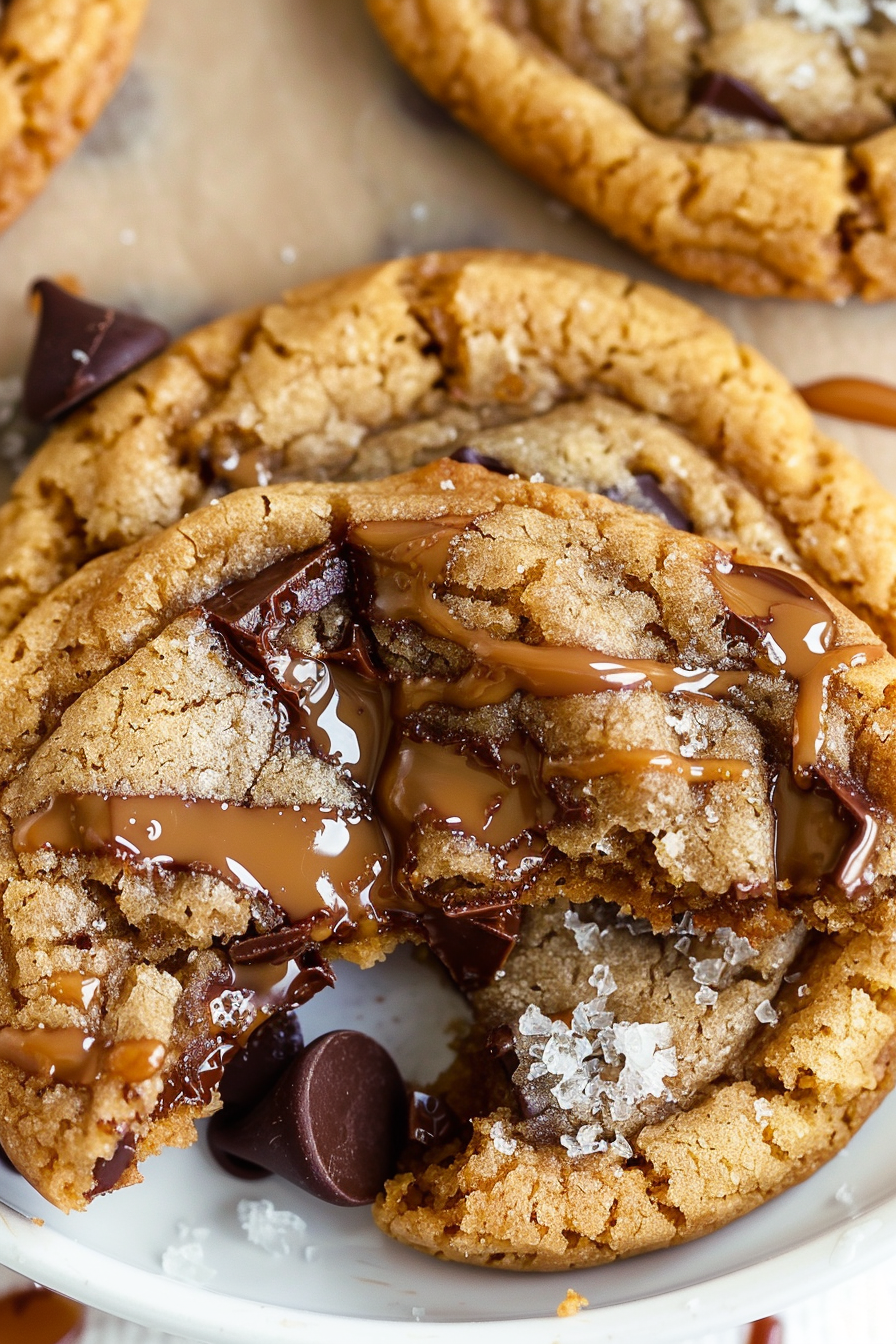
(474, 458)
(431, 1121)
(471, 942)
(734, 97)
(38, 1316)
(647, 495)
(853, 399)
(108, 1171)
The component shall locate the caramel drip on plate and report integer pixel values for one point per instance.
(68, 1055)
(38, 1316)
(308, 859)
(767, 1331)
(409, 558)
(637, 760)
(853, 399)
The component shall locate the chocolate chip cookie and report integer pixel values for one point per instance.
(745, 144)
(60, 62)
(633, 791)
(551, 367)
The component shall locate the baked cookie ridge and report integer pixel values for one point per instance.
(387, 367)
(736, 205)
(480, 691)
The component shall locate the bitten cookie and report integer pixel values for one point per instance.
(747, 145)
(484, 714)
(60, 61)
(555, 368)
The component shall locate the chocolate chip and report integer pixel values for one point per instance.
(724, 93)
(473, 945)
(477, 459)
(431, 1120)
(334, 1124)
(81, 348)
(282, 945)
(108, 1171)
(647, 495)
(264, 1059)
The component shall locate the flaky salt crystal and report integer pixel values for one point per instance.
(762, 1110)
(706, 997)
(268, 1227)
(766, 1013)
(185, 1259)
(534, 1022)
(736, 951)
(587, 936)
(502, 1141)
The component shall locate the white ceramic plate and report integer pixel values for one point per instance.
(359, 1284)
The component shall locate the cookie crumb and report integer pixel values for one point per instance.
(572, 1303)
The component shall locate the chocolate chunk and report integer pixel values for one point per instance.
(477, 459)
(471, 943)
(108, 1171)
(280, 946)
(649, 497)
(81, 348)
(261, 1063)
(260, 609)
(431, 1120)
(334, 1124)
(724, 93)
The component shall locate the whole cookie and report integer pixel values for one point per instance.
(634, 792)
(747, 145)
(60, 61)
(559, 370)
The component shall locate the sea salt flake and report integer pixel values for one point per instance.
(268, 1227)
(706, 997)
(736, 951)
(802, 76)
(844, 1195)
(587, 936)
(803, 991)
(622, 1146)
(766, 1013)
(185, 1259)
(586, 1141)
(762, 1110)
(707, 972)
(534, 1022)
(502, 1141)
(602, 980)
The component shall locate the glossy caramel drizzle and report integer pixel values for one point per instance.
(68, 1055)
(637, 760)
(408, 560)
(853, 399)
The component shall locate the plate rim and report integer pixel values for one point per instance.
(731, 1298)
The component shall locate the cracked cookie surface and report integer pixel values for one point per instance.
(59, 64)
(169, 670)
(556, 368)
(604, 109)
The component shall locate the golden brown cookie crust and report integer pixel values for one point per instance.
(60, 61)
(762, 217)
(313, 378)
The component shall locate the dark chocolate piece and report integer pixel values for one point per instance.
(81, 348)
(334, 1124)
(108, 1171)
(260, 609)
(725, 93)
(649, 497)
(472, 944)
(477, 459)
(280, 946)
(431, 1120)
